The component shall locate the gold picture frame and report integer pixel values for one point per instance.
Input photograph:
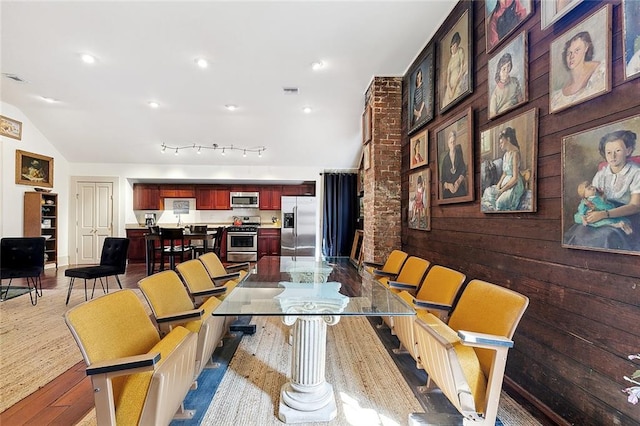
(419, 153)
(10, 128)
(34, 169)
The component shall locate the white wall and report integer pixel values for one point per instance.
(11, 195)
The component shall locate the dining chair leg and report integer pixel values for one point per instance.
(69, 291)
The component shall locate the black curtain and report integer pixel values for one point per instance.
(340, 213)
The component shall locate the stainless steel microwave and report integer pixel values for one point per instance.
(244, 199)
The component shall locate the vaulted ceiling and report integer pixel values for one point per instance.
(257, 53)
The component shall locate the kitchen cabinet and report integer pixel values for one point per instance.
(177, 191)
(146, 197)
(270, 197)
(268, 242)
(212, 197)
(41, 219)
(304, 189)
(137, 245)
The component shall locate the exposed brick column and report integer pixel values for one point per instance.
(382, 186)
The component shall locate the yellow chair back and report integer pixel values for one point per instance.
(213, 264)
(491, 309)
(195, 276)
(395, 261)
(165, 293)
(413, 270)
(441, 285)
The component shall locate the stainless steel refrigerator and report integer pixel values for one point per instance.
(298, 233)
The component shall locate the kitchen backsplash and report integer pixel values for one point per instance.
(204, 216)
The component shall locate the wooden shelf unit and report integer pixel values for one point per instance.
(41, 219)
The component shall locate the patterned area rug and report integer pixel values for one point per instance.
(13, 292)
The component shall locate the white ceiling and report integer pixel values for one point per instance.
(146, 51)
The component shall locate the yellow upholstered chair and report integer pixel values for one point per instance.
(137, 377)
(391, 267)
(221, 274)
(172, 306)
(436, 295)
(466, 359)
(199, 283)
(408, 279)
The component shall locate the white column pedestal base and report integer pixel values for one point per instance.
(323, 399)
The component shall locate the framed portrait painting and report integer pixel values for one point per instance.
(34, 169)
(454, 151)
(455, 79)
(580, 62)
(503, 17)
(552, 11)
(508, 171)
(508, 77)
(597, 186)
(419, 200)
(419, 149)
(10, 128)
(631, 38)
(421, 90)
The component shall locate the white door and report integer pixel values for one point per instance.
(94, 214)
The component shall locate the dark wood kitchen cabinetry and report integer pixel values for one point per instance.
(268, 242)
(213, 197)
(270, 196)
(137, 245)
(177, 191)
(304, 189)
(146, 197)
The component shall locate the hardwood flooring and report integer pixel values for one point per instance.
(68, 398)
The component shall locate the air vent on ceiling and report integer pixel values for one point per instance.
(290, 90)
(14, 77)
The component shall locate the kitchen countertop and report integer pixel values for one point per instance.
(210, 225)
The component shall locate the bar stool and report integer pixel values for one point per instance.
(198, 245)
(173, 245)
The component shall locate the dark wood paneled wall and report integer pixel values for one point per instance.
(584, 317)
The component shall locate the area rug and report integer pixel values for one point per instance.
(14, 291)
(368, 387)
(37, 345)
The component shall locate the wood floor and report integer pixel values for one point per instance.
(68, 398)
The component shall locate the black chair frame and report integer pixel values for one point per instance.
(113, 261)
(23, 257)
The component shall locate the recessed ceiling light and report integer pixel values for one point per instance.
(231, 107)
(49, 100)
(154, 104)
(306, 110)
(202, 63)
(88, 59)
(317, 65)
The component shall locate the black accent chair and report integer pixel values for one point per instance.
(23, 257)
(113, 261)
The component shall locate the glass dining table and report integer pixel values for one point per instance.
(309, 295)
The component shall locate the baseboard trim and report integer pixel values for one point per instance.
(529, 397)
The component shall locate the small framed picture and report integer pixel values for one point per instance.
(34, 169)
(419, 200)
(580, 62)
(631, 38)
(595, 191)
(366, 124)
(419, 149)
(552, 11)
(10, 128)
(421, 90)
(366, 156)
(508, 77)
(509, 164)
(455, 80)
(503, 17)
(454, 151)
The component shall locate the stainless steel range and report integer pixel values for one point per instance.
(242, 240)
